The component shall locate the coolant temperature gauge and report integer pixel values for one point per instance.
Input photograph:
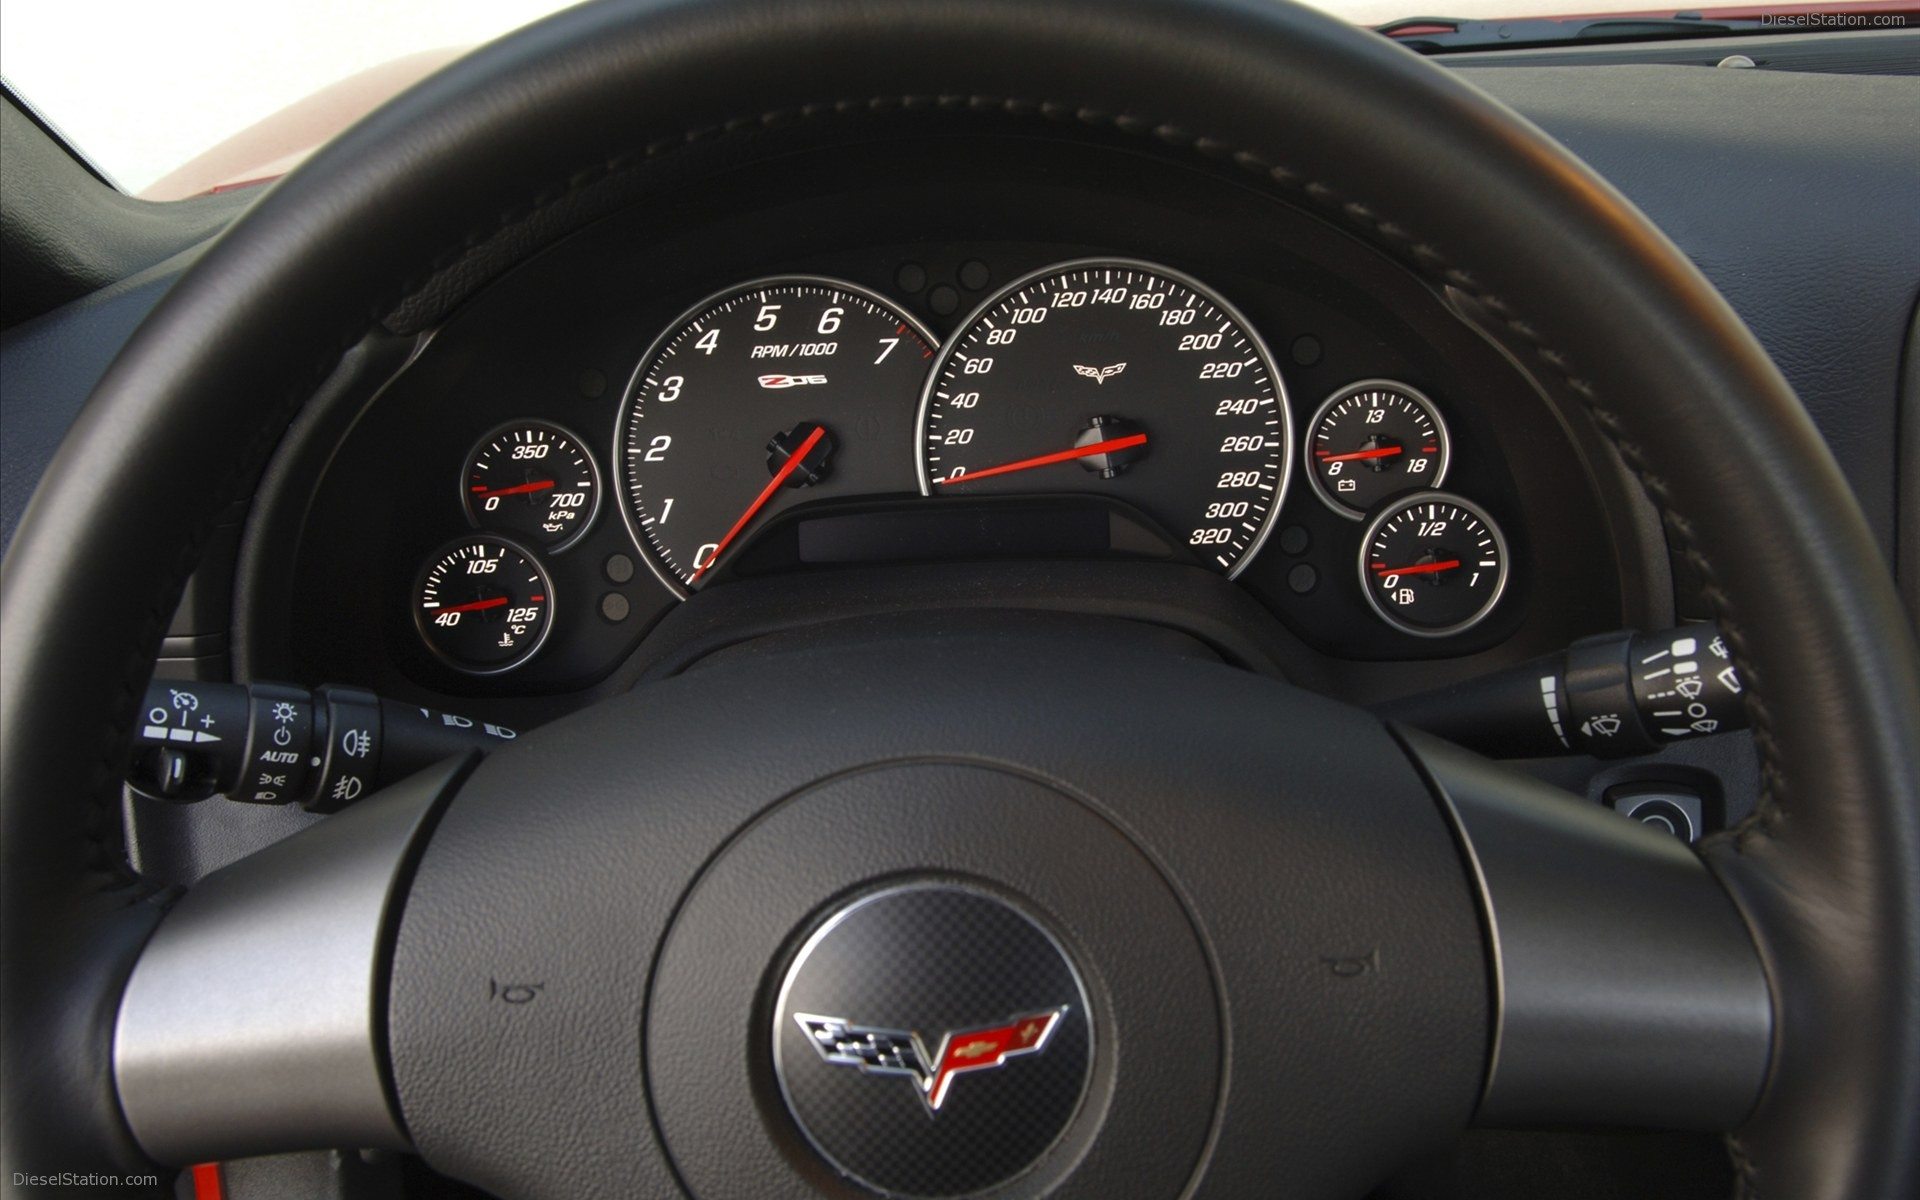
(483, 605)
(1433, 564)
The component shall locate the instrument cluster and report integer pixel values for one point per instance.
(1082, 384)
(1129, 387)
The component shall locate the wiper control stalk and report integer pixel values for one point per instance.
(1610, 696)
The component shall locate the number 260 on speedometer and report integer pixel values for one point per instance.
(1121, 378)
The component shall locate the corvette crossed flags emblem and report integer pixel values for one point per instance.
(903, 1052)
(1099, 374)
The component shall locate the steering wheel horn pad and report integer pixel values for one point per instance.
(1031, 783)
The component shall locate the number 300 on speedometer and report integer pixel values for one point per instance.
(1121, 378)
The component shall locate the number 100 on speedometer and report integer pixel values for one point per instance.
(1119, 378)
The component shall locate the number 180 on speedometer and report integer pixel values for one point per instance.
(1122, 378)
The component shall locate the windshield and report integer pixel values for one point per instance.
(176, 100)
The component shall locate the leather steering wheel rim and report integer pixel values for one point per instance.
(1388, 146)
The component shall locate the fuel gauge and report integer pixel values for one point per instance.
(1433, 564)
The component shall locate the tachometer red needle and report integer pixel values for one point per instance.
(766, 493)
(1047, 460)
(1382, 452)
(1419, 569)
(538, 485)
(476, 605)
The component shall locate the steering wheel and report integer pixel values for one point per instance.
(1092, 919)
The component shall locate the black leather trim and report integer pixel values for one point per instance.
(66, 232)
(1407, 156)
(65, 969)
(1792, 193)
(1907, 532)
(52, 363)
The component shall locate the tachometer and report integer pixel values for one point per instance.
(750, 397)
(1123, 378)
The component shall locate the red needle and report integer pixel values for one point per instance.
(1421, 569)
(538, 485)
(476, 605)
(766, 493)
(1383, 452)
(1047, 460)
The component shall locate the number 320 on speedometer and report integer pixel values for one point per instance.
(1121, 378)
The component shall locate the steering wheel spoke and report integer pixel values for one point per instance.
(254, 1020)
(1628, 989)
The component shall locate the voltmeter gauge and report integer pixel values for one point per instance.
(483, 604)
(1374, 439)
(1433, 564)
(532, 480)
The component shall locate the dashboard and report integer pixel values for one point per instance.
(1085, 356)
(922, 377)
(367, 486)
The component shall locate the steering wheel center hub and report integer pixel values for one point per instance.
(1007, 944)
(928, 1003)
(932, 1039)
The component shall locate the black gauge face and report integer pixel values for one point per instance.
(534, 481)
(1121, 378)
(1433, 564)
(1372, 440)
(763, 397)
(483, 604)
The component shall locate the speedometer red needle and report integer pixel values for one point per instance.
(1382, 452)
(476, 605)
(1047, 460)
(538, 485)
(766, 493)
(1419, 569)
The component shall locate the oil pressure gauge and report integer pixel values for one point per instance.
(1433, 564)
(532, 480)
(1374, 439)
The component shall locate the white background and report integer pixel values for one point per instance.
(142, 86)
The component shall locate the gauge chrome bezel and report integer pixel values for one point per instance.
(1430, 496)
(593, 467)
(1353, 389)
(1206, 292)
(686, 316)
(419, 620)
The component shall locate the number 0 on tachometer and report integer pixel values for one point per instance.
(1121, 378)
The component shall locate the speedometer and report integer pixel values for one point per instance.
(1121, 378)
